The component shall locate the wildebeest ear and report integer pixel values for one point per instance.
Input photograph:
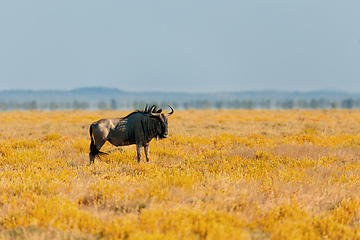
(170, 113)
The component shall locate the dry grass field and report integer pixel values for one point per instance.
(221, 174)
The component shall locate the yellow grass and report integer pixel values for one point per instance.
(225, 174)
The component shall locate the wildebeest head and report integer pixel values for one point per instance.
(162, 118)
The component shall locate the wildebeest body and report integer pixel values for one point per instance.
(139, 128)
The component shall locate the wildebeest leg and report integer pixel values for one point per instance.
(138, 150)
(146, 149)
(92, 158)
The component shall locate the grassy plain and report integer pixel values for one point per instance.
(222, 174)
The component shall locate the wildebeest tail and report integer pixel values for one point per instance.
(93, 150)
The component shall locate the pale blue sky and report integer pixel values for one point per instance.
(191, 46)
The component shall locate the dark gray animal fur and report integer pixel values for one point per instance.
(139, 127)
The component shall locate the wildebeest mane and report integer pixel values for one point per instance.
(148, 109)
(151, 109)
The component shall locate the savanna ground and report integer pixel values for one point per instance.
(221, 174)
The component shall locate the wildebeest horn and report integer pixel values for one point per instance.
(170, 113)
(166, 114)
(154, 114)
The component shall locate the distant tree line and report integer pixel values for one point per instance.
(34, 105)
(314, 103)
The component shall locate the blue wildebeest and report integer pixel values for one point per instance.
(139, 127)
